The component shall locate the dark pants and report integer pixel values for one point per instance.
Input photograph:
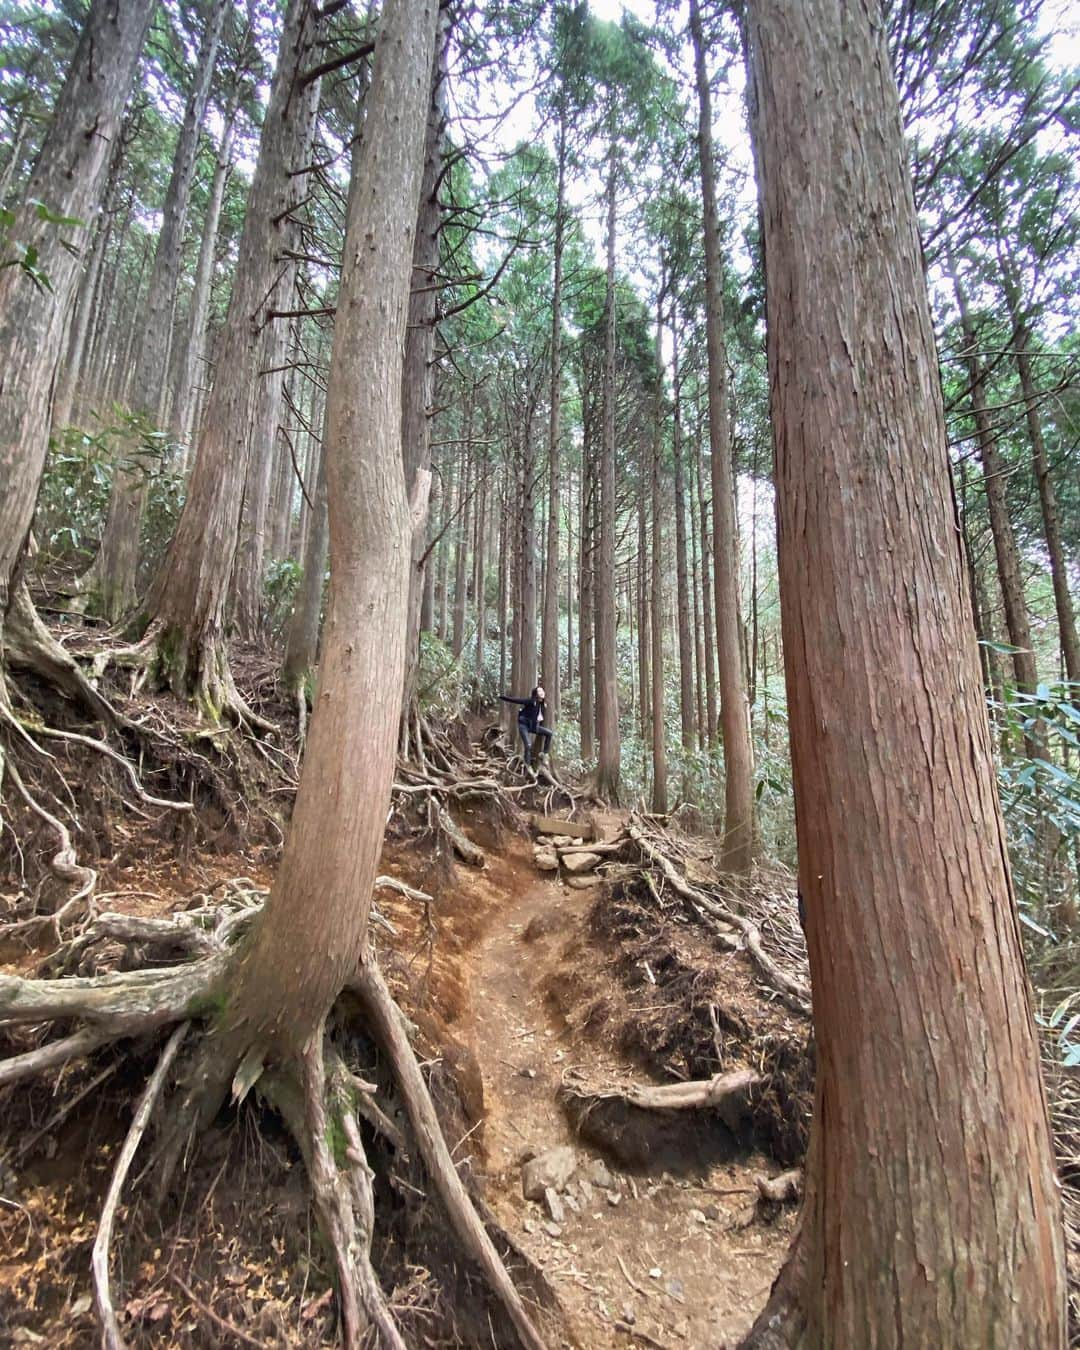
(541, 737)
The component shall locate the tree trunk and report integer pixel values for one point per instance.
(1005, 549)
(696, 596)
(114, 575)
(68, 179)
(682, 582)
(302, 648)
(607, 678)
(738, 846)
(659, 739)
(549, 644)
(68, 377)
(1051, 517)
(479, 576)
(586, 665)
(643, 606)
(417, 388)
(708, 632)
(194, 364)
(312, 931)
(191, 593)
(931, 1216)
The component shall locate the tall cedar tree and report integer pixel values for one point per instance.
(931, 1215)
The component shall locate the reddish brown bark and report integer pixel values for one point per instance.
(931, 1216)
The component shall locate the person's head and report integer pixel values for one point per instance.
(538, 692)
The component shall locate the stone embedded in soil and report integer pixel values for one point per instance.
(613, 1198)
(553, 1230)
(599, 1175)
(554, 1206)
(551, 1169)
(584, 883)
(580, 862)
(546, 861)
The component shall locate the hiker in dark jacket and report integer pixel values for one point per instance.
(531, 726)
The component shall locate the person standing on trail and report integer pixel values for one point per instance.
(531, 726)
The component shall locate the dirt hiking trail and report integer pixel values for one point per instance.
(669, 1254)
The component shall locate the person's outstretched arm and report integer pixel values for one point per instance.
(509, 698)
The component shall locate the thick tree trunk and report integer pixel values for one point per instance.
(931, 1216)
(114, 575)
(607, 678)
(68, 179)
(738, 846)
(479, 574)
(549, 643)
(312, 931)
(191, 593)
(68, 379)
(643, 605)
(193, 369)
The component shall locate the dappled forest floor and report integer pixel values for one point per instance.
(551, 990)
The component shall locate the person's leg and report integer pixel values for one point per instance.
(523, 733)
(543, 737)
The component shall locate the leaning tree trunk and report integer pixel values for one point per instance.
(607, 683)
(67, 179)
(295, 969)
(114, 575)
(738, 842)
(191, 593)
(931, 1215)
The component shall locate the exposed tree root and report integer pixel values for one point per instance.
(28, 645)
(791, 991)
(692, 1095)
(110, 1327)
(387, 1023)
(319, 1097)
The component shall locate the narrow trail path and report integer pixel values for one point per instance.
(661, 1258)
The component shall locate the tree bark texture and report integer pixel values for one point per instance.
(932, 1214)
(191, 592)
(68, 179)
(737, 853)
(312, 931)
(549, 639)
(607, 682)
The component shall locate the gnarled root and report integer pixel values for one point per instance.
(317, 1094)
(386, 1022)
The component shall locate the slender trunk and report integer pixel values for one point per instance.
(659, 740)
(931, 1215)
(302, 646)
(682, 582)
(586, 671)
(697, 595)
(193, 368)
(738, 845)
(706, 604)
(68, 178)
(68, 377)
(1005, 549)
(191, 592)
(266, 437)
(550, 636)
(292, 971)
(1051, 516)
(116, 572)
(607, 683)
(479, 570)
(571, 577)
(644, 706)
(461, 547)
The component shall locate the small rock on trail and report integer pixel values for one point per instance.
(550, 1171)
